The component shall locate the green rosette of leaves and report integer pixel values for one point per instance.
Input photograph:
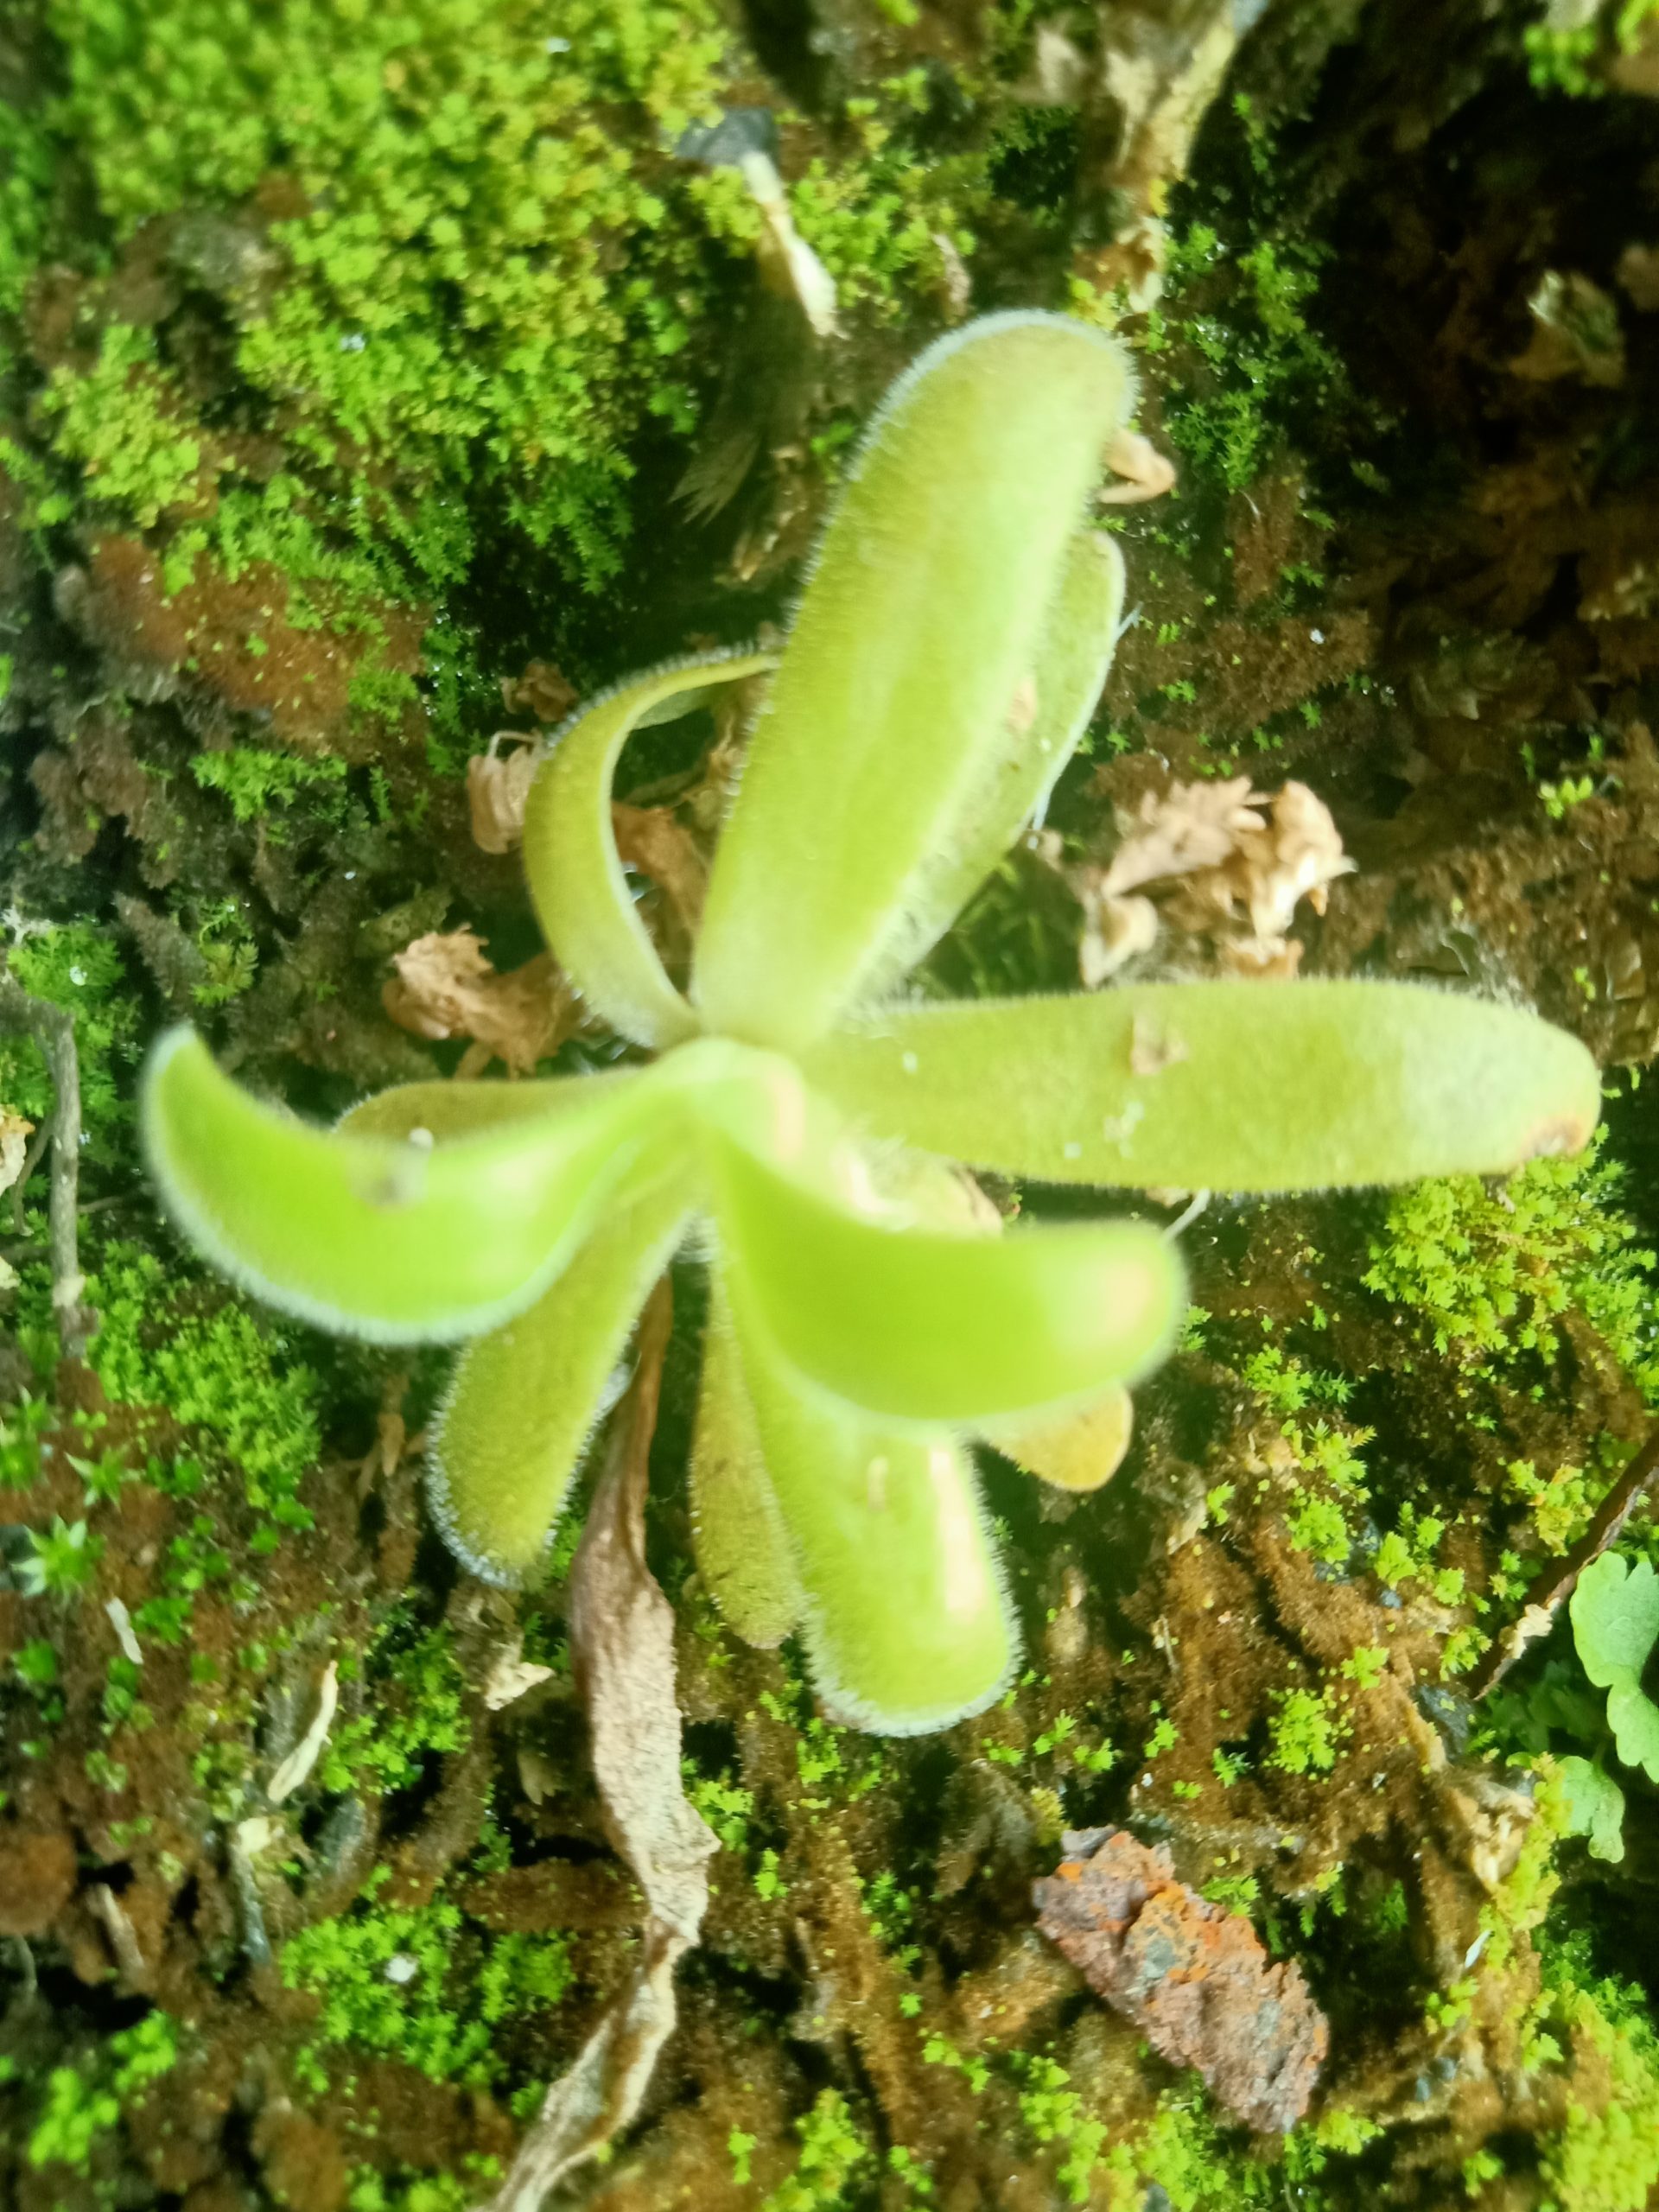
(799, 1121)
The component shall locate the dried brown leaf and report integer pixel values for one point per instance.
(1193, 1977)
(445, 986)
(14, 1146)
(542, 690)
(653, 840)
(622, 1643)
(498, 792)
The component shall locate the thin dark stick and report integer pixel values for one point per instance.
(1546, 1595)
(52, 1028)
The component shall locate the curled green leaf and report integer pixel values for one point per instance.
(400, 1241)
(570, 859)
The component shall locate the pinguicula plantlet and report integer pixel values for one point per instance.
(800, 1118)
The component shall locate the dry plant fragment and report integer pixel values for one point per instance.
(498, 788)
(622, 1641)
(1145, 473)
(1213, 859)
(1192, 1976)
(445, 986)
(543, 690)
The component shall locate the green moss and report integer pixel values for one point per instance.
(461, 192)
(1242, 316)
(1606, 2160)
(832, 2154)
(1306, 1731)
(77, 966)
(404, 2190)
(254, 780)
(1052, 2112)
(428, 1986)
(236, 1378)
(1560, 59)
(1488, 1272)
(81, 2104)
(122, 420)
(415, 1711)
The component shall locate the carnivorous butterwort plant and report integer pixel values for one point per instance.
(869, 1316)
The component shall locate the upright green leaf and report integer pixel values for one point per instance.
(1019, 771)
(945, 1328)
(923, 615)
(401, 1241)
(525, 1398)
(570, 859)
(1226, 1086)
(743, 1553)
(907, 1624)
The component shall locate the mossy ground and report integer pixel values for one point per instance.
(351, 360)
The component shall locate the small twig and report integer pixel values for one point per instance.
(123, 1940)
(1547, 1596)
(52, 1028)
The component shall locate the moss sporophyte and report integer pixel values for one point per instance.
(870, 1317)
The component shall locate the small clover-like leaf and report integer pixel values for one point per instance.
(1615, 1611)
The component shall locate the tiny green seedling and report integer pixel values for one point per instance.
(801, 1118)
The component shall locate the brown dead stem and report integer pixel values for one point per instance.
(622, 1641)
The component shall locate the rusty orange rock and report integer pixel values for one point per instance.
(1193, 1977)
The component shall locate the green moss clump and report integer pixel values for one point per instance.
(1490, 1273)
(453, 195)
(1241, 316)
(427, 1985)
(237, 1379)
(832, 2154)
(1606, 2160)
(254, 780)
(80, 2105)
(77, 966)
(417, 1711)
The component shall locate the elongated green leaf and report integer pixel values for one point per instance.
(1020, 770)
(570, 859)
(1246, 1086)
(907, 1624)
(525, 1398)
(397, 1242)
(932, 1327)
(743, 1551)
(925, 610)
